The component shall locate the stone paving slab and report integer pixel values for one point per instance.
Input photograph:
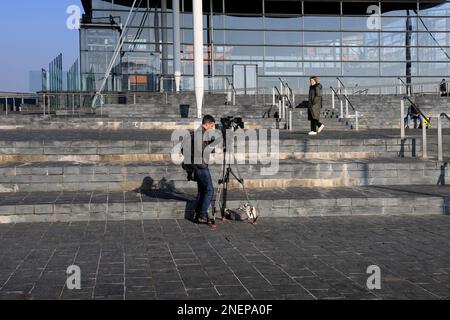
(302, 258)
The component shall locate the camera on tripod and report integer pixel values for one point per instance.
(229, 123)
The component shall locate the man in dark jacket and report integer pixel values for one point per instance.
(315, 106)
(201, 171)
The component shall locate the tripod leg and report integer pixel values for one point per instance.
(217, 202)
(225, 192)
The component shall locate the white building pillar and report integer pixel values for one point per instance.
(164, 46)
(176, 44)
(198, 55)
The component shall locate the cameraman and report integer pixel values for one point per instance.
(201, 171)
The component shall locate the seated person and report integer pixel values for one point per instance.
(443, 87)
(413, 114)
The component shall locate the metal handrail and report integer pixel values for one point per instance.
(440, 147)
(233, 92)
(414, 105)
(340, 81)
(424, 126)
(14, 97)
(279, 93)
(231, 85)
(366, 91)
(408, 87)
(346, 98)
(335, 93)
(401, 80)
(291, 92)
(348, 103)
(285, 84)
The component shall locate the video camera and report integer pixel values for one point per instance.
(230, 122)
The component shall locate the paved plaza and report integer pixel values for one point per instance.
(295, 258)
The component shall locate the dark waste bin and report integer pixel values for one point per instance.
(122, 100)
(184, 110)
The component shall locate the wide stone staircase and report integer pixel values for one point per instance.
(383, 111)
(72, 168)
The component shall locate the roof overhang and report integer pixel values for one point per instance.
(359, 7)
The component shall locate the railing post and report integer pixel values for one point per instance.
(283, 101)
(73, 103)
(287, 119)
(341, 116)
(290, 119)
(279, 110)
(273, 96)
(101, 105)
(234, 97)
(346, 103)
(424, 141)
(134, 98)
(286, 113)
(264, 96)
(332, 99)
(44, 104)
(440, 148)
(6, 105)
(357, 120)
(402, 119)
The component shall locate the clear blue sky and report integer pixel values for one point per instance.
(32, 34)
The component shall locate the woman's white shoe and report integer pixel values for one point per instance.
(321, 128)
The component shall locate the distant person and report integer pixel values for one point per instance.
(415, 116)
(315, 106)
(443, 88)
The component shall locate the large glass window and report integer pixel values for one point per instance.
(288, 38)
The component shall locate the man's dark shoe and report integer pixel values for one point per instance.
(201, 220)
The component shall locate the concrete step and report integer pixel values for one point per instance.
(178, 204)
(156, 145)
(384, 111)
(73, 176)
(161, 123)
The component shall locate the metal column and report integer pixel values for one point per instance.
(176, 44)
(198, 55)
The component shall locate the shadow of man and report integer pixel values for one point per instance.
(166, 190)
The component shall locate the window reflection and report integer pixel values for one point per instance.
(283, 40)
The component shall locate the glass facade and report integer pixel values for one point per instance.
(288, 39)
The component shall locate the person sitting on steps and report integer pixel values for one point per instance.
(414, 115)
(443, 88)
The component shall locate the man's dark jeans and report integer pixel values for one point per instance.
(205, 192)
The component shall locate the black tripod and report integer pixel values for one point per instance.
(222, 191)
